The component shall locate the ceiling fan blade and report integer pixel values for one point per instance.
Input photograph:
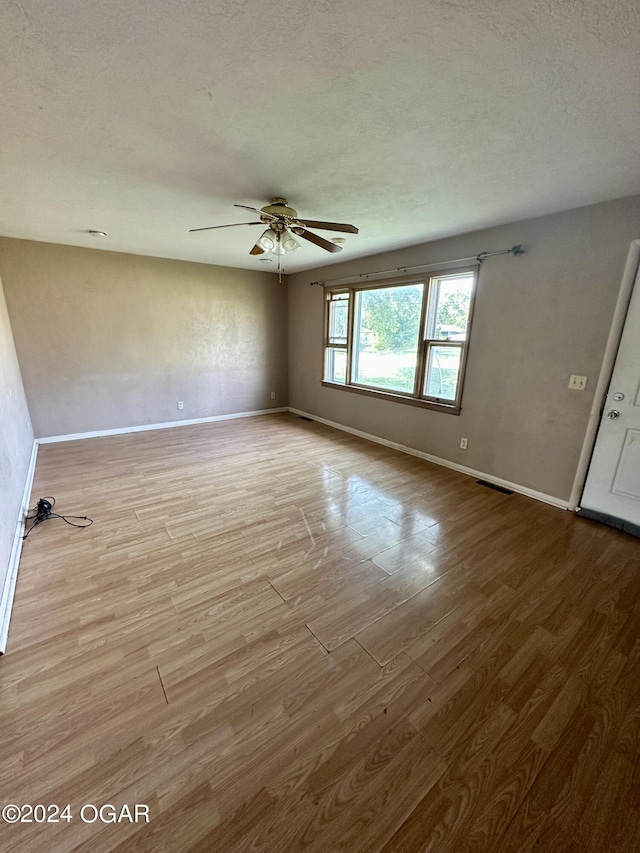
(255, 210)
(314, 238)
(328, 226)
(233, 225)
(257, 250)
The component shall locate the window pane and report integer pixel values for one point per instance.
(338, 314)
(449, 307)
(336, 366)
(443, 369)
(385, 346)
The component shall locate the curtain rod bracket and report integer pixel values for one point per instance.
(514, 250)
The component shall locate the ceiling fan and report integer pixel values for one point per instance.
(283, 226)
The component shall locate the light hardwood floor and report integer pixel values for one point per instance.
(281, 637)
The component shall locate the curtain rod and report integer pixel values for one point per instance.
(479, 258)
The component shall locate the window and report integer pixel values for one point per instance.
(405, 341)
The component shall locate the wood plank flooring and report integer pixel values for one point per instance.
(284, 638)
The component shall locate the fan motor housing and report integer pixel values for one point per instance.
(278, 207)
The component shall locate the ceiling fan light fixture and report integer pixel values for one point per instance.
(268, 240)
(279, 248)
(288, 242)
(278, 242)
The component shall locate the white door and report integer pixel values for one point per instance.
(612, 488)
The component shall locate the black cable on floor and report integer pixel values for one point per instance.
(43, 511)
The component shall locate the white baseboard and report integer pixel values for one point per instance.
(52, 439)
(8, 592)
(478, 475)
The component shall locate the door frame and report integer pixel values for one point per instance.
(631, 271)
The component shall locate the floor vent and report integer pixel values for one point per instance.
(493, 486)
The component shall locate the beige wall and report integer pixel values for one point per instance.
(538, 319)
(16, 440)
(108, 340)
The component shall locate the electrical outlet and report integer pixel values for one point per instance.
(578, 383)
(463, 443)
(273, 395)
(180, 404)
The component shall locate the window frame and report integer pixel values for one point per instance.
(424, 344)
(328, 344)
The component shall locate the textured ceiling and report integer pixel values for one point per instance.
(411, 120)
